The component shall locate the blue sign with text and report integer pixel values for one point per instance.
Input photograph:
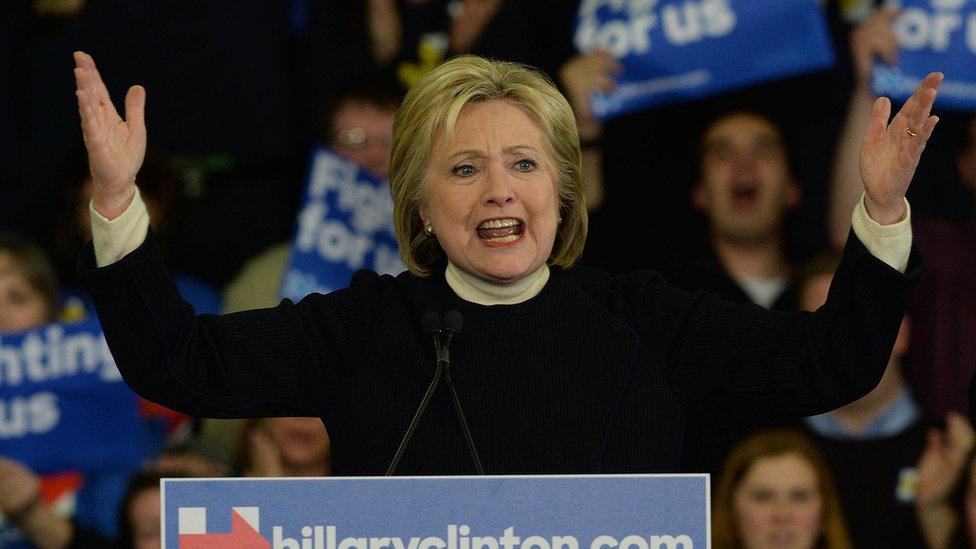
(345, 224)
(540, 512)
(934, 35)
(63, 405)
(676, 50)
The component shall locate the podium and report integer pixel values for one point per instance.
(485, 512)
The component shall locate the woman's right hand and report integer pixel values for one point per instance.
(116, 147)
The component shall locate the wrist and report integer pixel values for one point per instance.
(112, 206)
(885, 214)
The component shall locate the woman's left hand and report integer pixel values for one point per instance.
(890, 152)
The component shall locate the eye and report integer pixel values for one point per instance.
(761, 496)
(464, 170)
(17, 297)
(802, 496)
(525, 165)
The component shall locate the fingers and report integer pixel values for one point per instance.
(918, 107)
(94, 79)
(959, 433)
(90, 81)
(135, 108)
(879, 119)
(926, 93)
(886, 42)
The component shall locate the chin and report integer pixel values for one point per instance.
(505, 271)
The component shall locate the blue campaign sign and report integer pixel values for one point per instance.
(934, 35)
(539, 512)
(345, 224)
(63, 405)
(676, 50)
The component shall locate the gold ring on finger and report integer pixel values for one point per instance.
(910, 132)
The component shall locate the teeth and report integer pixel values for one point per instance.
(498, 223)
(509, 238)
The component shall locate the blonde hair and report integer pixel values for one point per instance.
(767, 444)
(433, 106)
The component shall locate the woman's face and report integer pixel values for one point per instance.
(21, 306)
(144, 519)
(491, 193)
(778, 504)
(302, 441)
(363, 133)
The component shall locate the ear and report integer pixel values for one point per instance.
(966, 166)
(699, 197)
(794, 193)
(424, 214)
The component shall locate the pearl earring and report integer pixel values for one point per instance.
(429, 229)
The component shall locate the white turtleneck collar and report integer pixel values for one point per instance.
(471, 288)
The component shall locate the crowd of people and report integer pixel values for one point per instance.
(743, 196)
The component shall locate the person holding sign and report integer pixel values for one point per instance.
(559, 368)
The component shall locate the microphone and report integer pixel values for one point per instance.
(450, 327)
(431, 322)
(443, 330)
(453, 321)
(444, 333)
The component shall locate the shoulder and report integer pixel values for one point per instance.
(617, 292)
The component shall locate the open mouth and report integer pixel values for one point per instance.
(500, 231)
(745, 195)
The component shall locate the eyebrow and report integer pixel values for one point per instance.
(506, 150)
(724, 141)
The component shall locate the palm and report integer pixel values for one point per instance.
(116, 147)
(890, 152)
(943, 460)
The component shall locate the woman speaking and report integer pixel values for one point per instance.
(558, 368)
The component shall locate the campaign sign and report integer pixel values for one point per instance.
(63, 404)
(676, 50)
(934, 35)
(345, 224)
(537, 512)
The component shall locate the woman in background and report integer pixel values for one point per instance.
(776, 491)
(285, 447)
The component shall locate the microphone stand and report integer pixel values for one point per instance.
(452, 325)
(442, 342)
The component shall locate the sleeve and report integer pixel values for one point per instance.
(889, 243)
(260, 363)
(722, 357)
(114, 238)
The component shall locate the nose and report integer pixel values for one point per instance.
(744, 161)
(498, 186)
(783, 514)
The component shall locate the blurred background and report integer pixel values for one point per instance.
(241, 92)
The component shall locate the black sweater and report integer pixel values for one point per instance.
(594, 374)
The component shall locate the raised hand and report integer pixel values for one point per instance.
(264, 455)
(945, 458)
(20, 488)
(890, 152)
(116, 147)
(583, 75)
(873, 39)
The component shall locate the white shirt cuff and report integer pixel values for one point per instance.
(889, 243)
(115, 238)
